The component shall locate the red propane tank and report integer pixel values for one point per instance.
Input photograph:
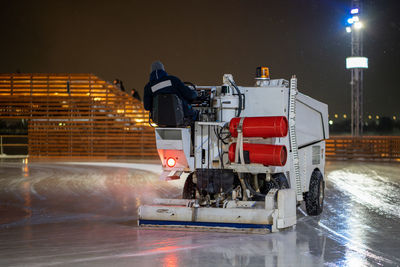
(272, 155)
(260, 126)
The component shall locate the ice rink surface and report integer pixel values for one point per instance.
(84, 214)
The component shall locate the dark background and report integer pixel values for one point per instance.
(199, 41)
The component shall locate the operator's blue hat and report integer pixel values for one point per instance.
(157, 65)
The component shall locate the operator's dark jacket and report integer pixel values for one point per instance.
(162, 83)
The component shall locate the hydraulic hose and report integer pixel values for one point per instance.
(240, 97)
(254, 192)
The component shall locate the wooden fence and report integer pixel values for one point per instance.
(368, 148)
(80, 115)
(76, 115)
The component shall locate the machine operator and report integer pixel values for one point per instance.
(162, 83)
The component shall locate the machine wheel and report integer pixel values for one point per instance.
(189, 189)
(315, 196)
(278, 181)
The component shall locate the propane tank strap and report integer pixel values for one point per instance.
(239, 158)
(240, 125)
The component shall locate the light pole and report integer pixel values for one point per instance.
(356, 63)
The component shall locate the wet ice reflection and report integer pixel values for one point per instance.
(25, 167)
(363, 211)
(57, 192)
(85, 214)
(84, 244)
(367, 188)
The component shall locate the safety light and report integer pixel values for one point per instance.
(348, 29)
(354, 11)
(171, 162)
(350, 21)
(262, 73)
(356, 19)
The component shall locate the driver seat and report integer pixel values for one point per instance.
(167, 110)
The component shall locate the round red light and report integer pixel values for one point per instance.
(171, 162)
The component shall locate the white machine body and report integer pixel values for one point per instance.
(305, 145)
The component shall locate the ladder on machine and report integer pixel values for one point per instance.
(292, 136)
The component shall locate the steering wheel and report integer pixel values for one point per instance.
(191, 85)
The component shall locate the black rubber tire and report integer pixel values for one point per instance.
(189, 189)
(314, 198)
(278, 181)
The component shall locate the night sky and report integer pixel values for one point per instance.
(199, 41)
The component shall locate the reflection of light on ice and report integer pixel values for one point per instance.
(26, 189)
(27, 199)
(366, 189)
(138, 202)
(156, 168)
(356, 253)
(355, 259)
(27, 207)
(369, 190)
(171, 260)
(25, 168)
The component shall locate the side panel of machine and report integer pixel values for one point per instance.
(264, 101)
(311, 157)
(267, 101)
(311, 120)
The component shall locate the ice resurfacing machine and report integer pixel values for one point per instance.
(255, 155)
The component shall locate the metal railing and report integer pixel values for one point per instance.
(366, 148)
(13, 143)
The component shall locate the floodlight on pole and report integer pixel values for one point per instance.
(358, 25)
(356, 64)
(354, 11)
